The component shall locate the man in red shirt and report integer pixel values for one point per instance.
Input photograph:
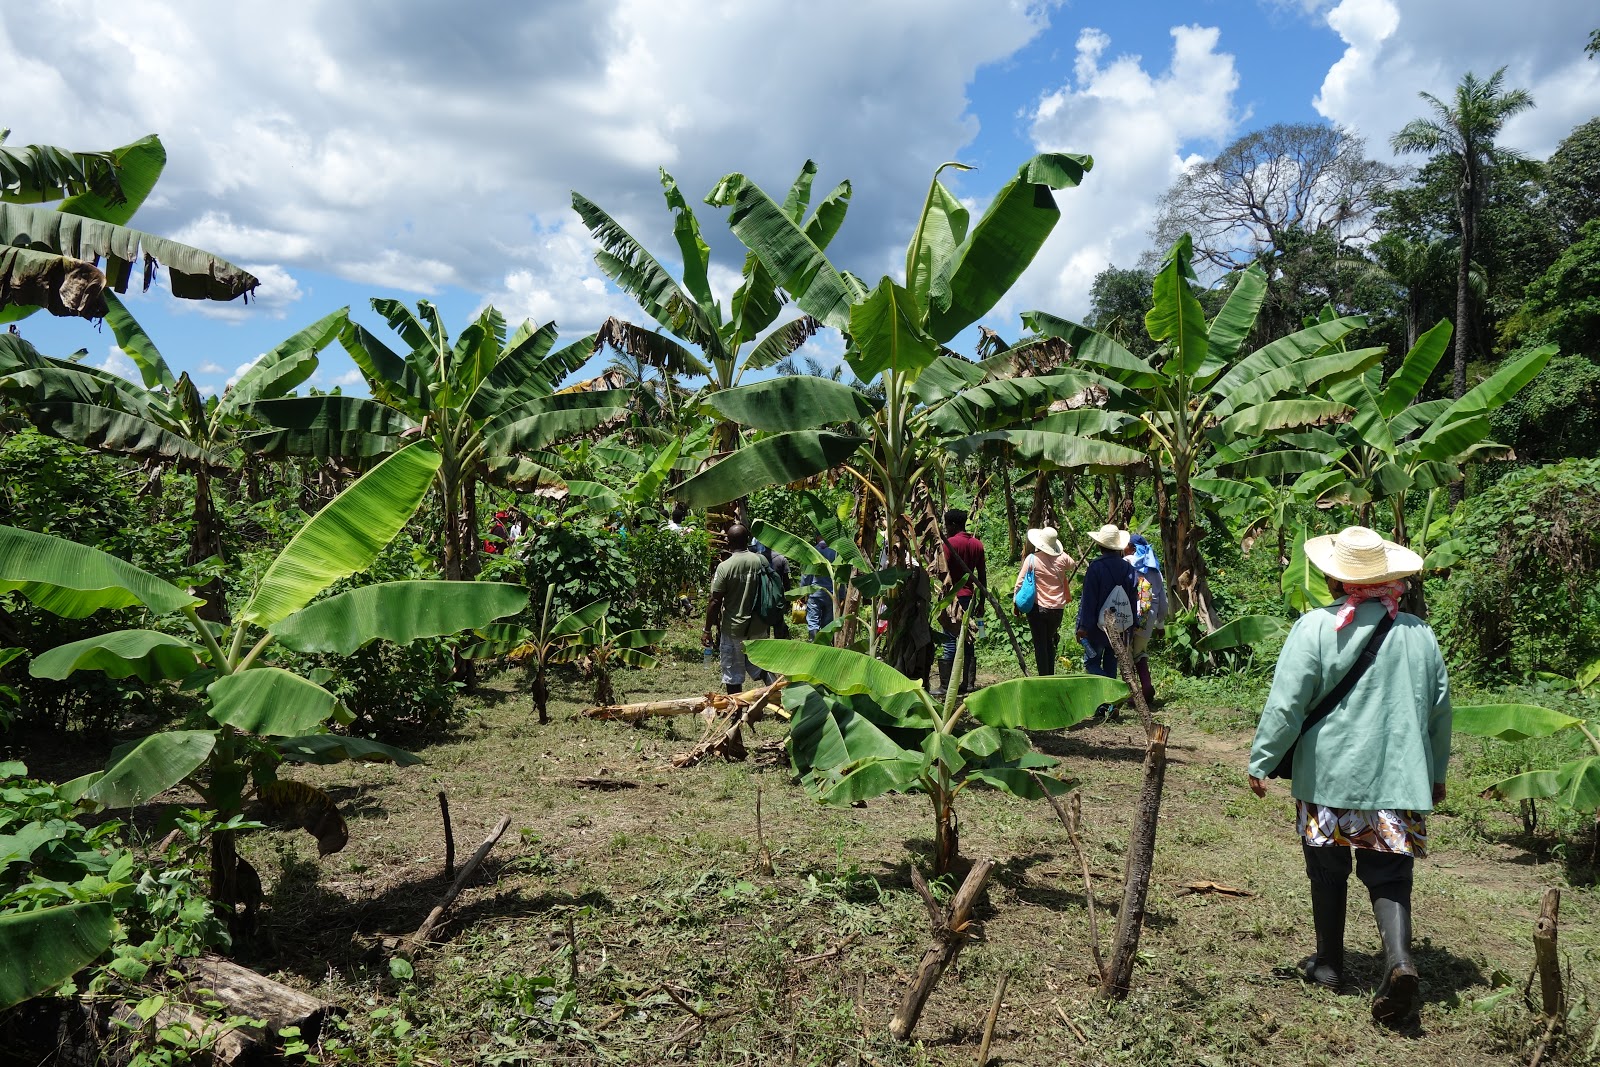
(965, 571)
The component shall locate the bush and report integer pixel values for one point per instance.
(673, 569)
(398, 691)
(1557, 416)
(583, 562)
(1526, 597)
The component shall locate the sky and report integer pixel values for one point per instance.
(348, 149)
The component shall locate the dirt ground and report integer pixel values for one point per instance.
(681, 951)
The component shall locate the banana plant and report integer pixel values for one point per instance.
(164, 419)
(488, 402)
(52, 258)
(1573, 784)
(260, 714)
(860, 729)
(730, 343)
(557, 641)
(604, 650)
(896, 448)
(1200, 394)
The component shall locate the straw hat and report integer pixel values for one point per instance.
(1046, 540)
(1358, 555)
(1111, 536)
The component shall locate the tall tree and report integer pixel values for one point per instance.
(1572, 178)
(1463, 131)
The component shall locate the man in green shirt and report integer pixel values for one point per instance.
(1370, 769)
(732, 608)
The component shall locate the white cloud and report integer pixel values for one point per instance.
(118, 363)
(1141, 128)
(208, 367)
(206, 390)
(272, 298)
(397, 147)
(239, 371)
(1393, 52)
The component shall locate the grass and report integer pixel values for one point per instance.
(684, 952)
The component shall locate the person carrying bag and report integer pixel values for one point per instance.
(1359, 720)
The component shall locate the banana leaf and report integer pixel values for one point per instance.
(269, 701)
(195, 274)
(106, 429)
(792, 402)
(147, 654)
(41, 949)
(152, 766)
(885, 334)
(1245, 631)
(400, 612)
(1176, 316)
(346, 535)
(776, 460)
(336, 748)
(284, 366)
(1237, 317)
(1051, 703)
(1415, 370)
(1510, 722)
(349, 427)
(1001, 243)
(75, 581)
(839, 669)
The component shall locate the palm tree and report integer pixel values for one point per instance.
(1464, 130)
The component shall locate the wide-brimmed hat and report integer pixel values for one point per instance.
(1359, 555)
(1046, 540)
(1111, 536)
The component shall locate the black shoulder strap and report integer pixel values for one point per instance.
(1348, 682)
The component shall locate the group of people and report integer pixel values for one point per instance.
(1358, 717)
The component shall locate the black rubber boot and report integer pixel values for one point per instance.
(944, 679)
(1325, 967)
(1396, 999)
(733, 687)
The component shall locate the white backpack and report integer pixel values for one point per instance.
(1117, 603)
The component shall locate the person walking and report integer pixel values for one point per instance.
(1051, 568)
(732, 608)
(1152, 608)
(819, 593)
(1108, 575)
(966, 569)
(1359, 717)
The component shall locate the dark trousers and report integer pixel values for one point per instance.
(1045, 624)
(1387, 875)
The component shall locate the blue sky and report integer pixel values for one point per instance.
(409, 149)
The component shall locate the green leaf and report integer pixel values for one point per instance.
(137, 346)
(1304, 586)
(1176, 317)
(108, 429)
(155, 764)
(1095, 349)
(945, 377)
(839, 752)
(1530, 785)
(75, 581)
(800, 552)
(785, 249)
(41, 949)
(1238, 315)
(1276, 415)
(839, 669)
(335, 748)
(269, 701)
(1578, 784)
(933, 247)
(400, 612)
(1044, 703)
(195, 274)
(1499, 387)
(147, 654)
(346, 535)
(1447, 554)
(885, 334)
(1509, 722)
(1248, 630)
(1415, 370)
(776, 460)
(792, 402)
(1002, 243)
(350, 427)
(286, 365)
(547, 421)
(1057, 450)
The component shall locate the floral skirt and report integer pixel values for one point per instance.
(1381, 829)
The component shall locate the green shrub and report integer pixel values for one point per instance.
(583, 562)
(1526, 597)
(673, 569)
(398, 691)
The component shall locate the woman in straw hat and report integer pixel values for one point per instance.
(1369, 770)
(1107, 573)
(1051, 568)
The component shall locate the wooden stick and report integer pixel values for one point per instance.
(950, 936)
(1070, 820)
(449, 837)
(1070, 1024)
(830, 953)
(1544, 952)
(572, 954)
(1118, 975)
(764, 855)
(461, 880)
(1544, 1041)
(994, 1015)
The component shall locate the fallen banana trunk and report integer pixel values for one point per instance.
(715, 703)
(726, 717)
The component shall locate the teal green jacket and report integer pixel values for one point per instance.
(1387, 741)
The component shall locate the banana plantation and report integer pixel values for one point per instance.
(377, 725)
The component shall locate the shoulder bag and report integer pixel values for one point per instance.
(1285, 767)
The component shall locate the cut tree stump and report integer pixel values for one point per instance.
(952, 926)
(86, 1032)
(1117, 977)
